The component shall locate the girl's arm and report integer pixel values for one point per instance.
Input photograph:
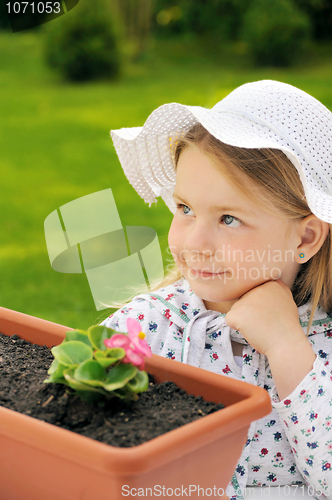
(306, 416)
(268, 318)
(290, 363)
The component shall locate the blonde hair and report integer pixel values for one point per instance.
(279, 192)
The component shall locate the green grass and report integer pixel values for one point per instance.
(55, 147)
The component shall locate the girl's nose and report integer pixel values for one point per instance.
(199, 240)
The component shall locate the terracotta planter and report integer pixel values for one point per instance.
(40, 461)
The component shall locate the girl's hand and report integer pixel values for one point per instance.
(268, 319)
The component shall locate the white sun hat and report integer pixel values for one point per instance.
(263, 114)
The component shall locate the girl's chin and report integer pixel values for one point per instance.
(220, 289)
(211, 295)
(211, 291)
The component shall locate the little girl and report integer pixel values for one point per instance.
(250, 185)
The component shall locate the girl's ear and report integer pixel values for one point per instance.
(313, 233)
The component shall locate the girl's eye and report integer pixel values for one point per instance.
(229, 219)
(184, 208)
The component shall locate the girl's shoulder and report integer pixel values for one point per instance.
(176, 300)
(176, 292)
(137, 309)
(322, 322)
(176, 303)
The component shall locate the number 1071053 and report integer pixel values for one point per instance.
(33, 7)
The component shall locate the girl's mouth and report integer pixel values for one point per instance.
(203, 274)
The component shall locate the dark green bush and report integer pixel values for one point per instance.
(219, 18)
(320, 13)
(276, 32)
(82, 44)
(4, 21)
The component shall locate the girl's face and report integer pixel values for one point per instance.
(224, 244)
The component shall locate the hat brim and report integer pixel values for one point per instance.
(147, 153)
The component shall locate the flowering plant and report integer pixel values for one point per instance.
(100, 362)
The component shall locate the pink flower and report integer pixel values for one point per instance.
(134, 344)
(167, 313)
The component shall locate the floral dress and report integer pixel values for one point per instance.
(293, 444)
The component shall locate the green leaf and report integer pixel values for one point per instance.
(97, 335)
(54, 366)
(125, 395)
(91, 373)
(69, 375)
(119, 376)
(56, 372)
(110, 356)
(139, 383)
(91, 397)
(72, 352)
(80, 335)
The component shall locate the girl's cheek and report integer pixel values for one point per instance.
(174, 240)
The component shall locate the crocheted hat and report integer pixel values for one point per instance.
(263, 114)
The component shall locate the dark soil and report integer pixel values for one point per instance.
(163, 407)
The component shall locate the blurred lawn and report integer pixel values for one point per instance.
(55, 147)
